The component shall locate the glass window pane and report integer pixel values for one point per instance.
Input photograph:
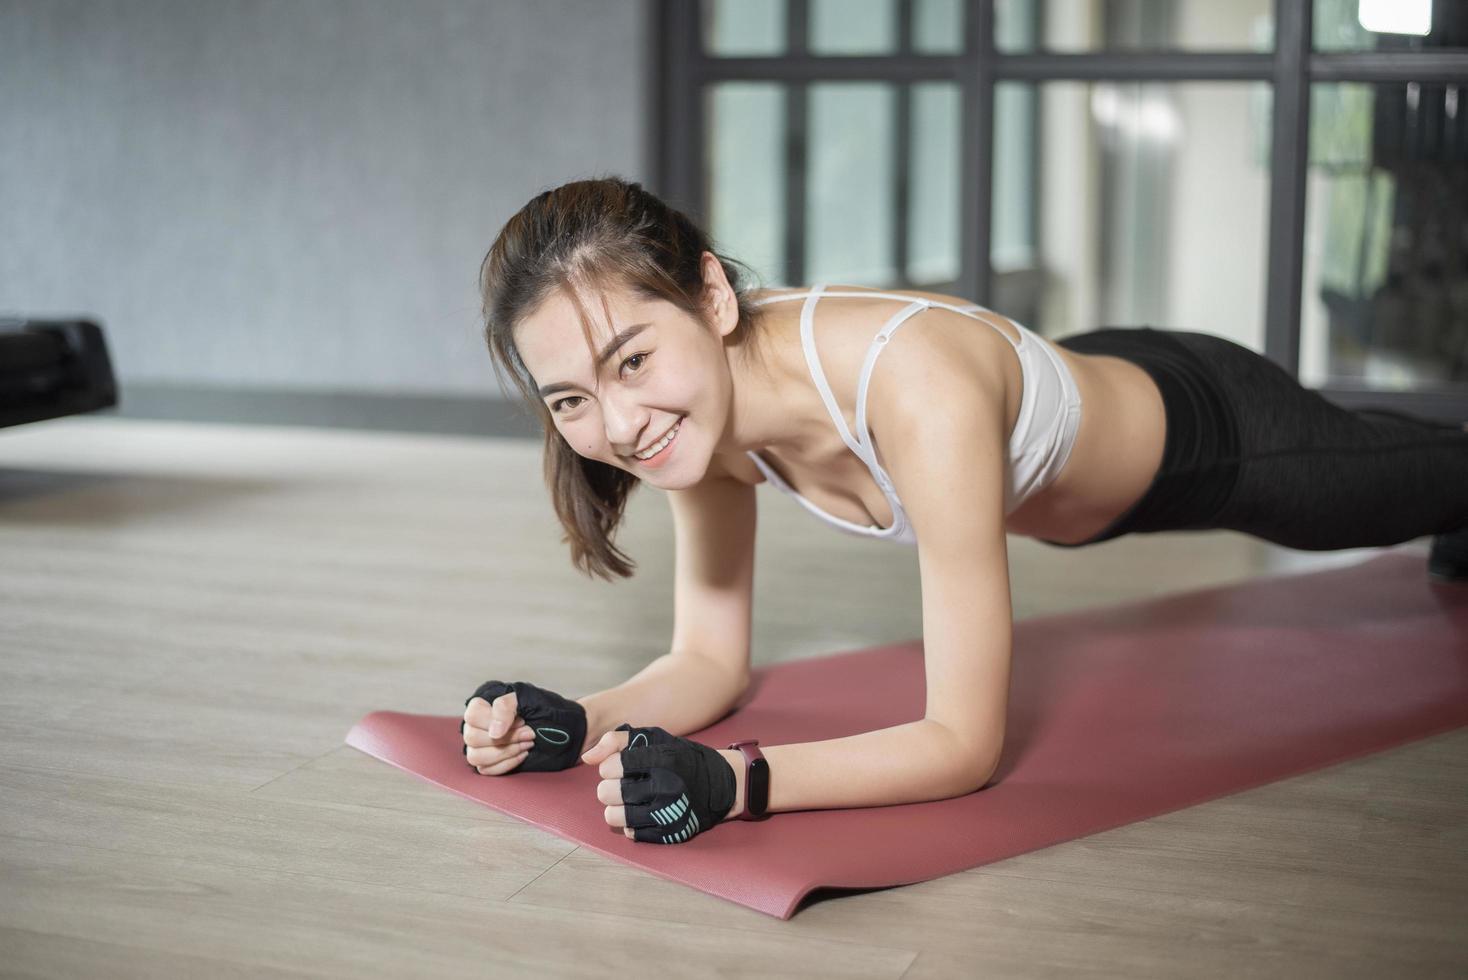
(1013, 218)
(746, 154)
(1152, 204)
(1111, 25)
(1386, 203)
(849, 200)
(853, 27)
(933, 193)
(1016, 25)
(1389, 25)
(937, 26)
(743, 28)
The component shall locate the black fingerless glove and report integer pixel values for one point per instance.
(672, 788)
(559, 724)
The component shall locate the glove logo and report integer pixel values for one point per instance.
(671, 814)
(556, 736)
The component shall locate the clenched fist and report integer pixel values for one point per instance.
(521, 727)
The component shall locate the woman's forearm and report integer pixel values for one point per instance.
(910, 763)
(679, 693)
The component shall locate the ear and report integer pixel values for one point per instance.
(721, 304)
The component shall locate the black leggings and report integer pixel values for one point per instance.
(1250, 449)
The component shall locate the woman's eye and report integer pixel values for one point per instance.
(556, 406)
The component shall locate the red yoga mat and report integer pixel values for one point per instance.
(1115, 715)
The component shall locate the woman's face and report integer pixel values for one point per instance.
(659, 369)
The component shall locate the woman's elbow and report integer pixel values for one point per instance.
(990, 765)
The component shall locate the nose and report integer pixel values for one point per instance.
(625, 426)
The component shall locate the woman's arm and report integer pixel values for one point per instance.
(909, 763)
(941, 437)
(713, 587)
(678, 692)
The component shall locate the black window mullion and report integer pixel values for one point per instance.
(836, 68)
(1138, 66)
(1289, 151)
(1102, 66)
(901, 151)
(1449, 67)
(797, 158)
(976, 187)
(680, 170)
(1037, 203)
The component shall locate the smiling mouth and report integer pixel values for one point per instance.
(657, 440)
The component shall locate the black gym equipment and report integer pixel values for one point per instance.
(51, 368)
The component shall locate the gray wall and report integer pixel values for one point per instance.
(291, 193)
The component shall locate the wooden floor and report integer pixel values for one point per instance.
(192, 616)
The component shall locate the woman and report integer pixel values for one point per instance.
(648, 358)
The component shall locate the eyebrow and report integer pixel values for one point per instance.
(602, 358)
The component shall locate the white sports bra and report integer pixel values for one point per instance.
(1044, 432)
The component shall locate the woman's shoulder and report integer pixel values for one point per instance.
(847, 324)
(772, 293)
(944, 342)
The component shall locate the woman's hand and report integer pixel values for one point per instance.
(496, 740)
(661, 788)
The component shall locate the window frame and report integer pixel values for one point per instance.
(680, 170)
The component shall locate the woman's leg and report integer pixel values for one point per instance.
(1318, 477)
(1250, 449)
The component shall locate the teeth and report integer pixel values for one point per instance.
(661, 443)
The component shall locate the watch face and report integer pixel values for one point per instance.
(757, 793)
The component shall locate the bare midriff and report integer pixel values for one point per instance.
(1116, 454)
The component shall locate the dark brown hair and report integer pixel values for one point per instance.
(600, 235)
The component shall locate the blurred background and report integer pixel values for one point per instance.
(275, 210)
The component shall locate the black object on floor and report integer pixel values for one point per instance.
(51, 368)
(1447, 561)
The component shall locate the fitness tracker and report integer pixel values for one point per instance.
(756, 780)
